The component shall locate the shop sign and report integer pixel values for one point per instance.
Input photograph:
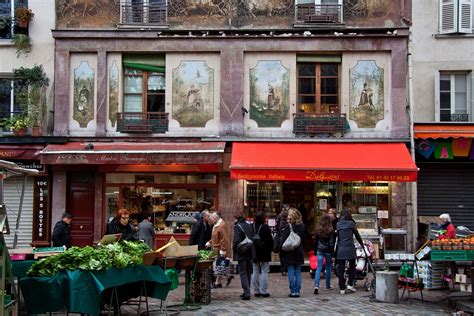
(182, 216)
(425, 148)
(443, 150)
(41, 225)
(31, 165)
(461, 147)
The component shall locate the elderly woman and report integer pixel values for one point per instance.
(447, 229)
(121, 225)
(220, 244)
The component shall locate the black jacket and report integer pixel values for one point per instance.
(239, 236)
(324, 244)
(200, 234)
(61, 235)
(346, 230)
(127, 231)
(296, 256)
(264, 254)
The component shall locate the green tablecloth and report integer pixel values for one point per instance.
(80, 291)
(21, 267)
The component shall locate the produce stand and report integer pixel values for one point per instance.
(80, 291)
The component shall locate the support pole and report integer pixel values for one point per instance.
(18, 216)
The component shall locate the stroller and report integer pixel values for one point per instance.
(364, 259)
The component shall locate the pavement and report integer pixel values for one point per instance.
(226, 301)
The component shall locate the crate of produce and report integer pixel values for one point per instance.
(441, 255)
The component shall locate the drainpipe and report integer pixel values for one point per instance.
(412, 185)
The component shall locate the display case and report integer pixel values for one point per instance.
(366, 224)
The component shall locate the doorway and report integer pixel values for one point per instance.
(80, 203)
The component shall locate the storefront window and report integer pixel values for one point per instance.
(263, 196)
(111, 201)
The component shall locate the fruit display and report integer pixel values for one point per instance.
(454, 244)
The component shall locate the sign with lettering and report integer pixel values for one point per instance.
(31, 164)
(443, 150)
(182, 217)
(41, 212)
(425, 148)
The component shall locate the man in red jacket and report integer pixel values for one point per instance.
(447, 228)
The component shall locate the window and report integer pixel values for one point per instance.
(455, 16)
(7, 14)
(318, 87)
(10, 94)
(319, 11)
(144, 91)
(144, 11)
(453, 95)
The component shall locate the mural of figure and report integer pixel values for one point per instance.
(194, 97)
(84, 97)
(83, 102)
(366, 97)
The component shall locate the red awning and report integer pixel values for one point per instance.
(322, 162)
(117, 153)
(424, 131)
(20, 152)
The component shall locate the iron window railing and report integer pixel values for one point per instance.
(144, 12)
(318, 13)
(151, 122)
(312, 124)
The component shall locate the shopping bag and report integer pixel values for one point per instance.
(222, 266)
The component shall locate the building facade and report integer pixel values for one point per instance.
(172, 107)
(442, 90)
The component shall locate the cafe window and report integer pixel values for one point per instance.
(318, 87)
(144, 91)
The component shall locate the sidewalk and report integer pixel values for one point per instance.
(226, 301)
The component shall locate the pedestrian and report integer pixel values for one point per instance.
(201, 231)
(146, 231)
(121, 225)
(334, 219)
(447, 229)
(62, 232)
(281, 222)
(345, 249)
(293, 259)
(263, 243)
(220, 245)
(324, 241)
(244, 258)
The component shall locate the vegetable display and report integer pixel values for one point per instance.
(118, 255)
(454, 244)
(206, 254)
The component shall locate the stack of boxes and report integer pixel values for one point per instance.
(431, 273)
(465, 283)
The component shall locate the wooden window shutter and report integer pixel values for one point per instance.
(465, 16)
(448, 16)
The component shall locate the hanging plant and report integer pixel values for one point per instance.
(22, 44)
(23, 16)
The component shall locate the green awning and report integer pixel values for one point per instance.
(319, 58)
(144, 67)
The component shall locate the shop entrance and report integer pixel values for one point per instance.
(300, 195)
(80, 203)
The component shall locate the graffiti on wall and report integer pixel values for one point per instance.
(87, 13)
(269, 93)
(193, 93)
(83, 105)
(113, 93)
(366, 93)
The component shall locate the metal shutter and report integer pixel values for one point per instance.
(12, 195)
(447, 188)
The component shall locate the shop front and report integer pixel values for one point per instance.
(170, 181)
(314, 178)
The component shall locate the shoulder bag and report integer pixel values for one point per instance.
(292, 242)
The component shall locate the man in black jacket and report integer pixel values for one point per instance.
(201, 232)
(62, 233)
(242, 230)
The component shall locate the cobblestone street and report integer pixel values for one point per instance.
(226, 301)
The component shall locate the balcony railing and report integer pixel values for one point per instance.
(151, 122)
(313, 124)
(459, 117)
(318, 13)
(151, 12)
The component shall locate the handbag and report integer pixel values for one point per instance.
(292, 242)
(222, 266)
(245, 245)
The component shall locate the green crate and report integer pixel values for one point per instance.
(452, 255)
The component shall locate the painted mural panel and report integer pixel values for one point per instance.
(83, 105)
(366, 93)
(193, 93)
(269, 93)
(87, 13)
(383, 13)
(113, 93)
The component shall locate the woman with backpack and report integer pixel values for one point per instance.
(345, 250)
(324, 240)
(263, 243)
(291, 250)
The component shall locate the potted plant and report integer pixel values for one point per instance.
(22, 44)
(23, 16)
(18, 124)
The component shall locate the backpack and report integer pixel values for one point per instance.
(245, 245)
(257, 240)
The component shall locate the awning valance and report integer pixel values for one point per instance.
(424, 131)
(322, 162)
(118, 153)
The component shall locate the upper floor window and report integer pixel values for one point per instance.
(318, 11)
(455, 16)
(8, 25)
(318, 87)
(144, 91)
(453, 97)
(144, 12)
(12, 95)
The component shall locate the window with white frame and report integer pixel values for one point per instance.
(8, 25)
(9, 98)
(455, 16)
(453, 96)
(319, 11)
(144, 11)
